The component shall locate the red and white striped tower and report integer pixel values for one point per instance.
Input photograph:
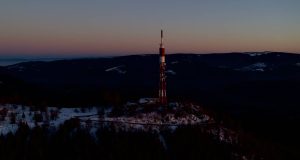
(162, 82)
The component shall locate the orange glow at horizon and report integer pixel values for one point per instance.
(132, 27)
(99, 44)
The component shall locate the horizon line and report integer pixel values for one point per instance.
(76, 56)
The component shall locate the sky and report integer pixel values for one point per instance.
(121, 27)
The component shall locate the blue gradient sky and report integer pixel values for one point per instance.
(111, 27)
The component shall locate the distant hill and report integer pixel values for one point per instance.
(7, 80)
(188, 74)
(249, 76)
(143, 69)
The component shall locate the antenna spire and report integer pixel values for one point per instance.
(161, 38)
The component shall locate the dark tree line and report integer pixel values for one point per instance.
(70, 141)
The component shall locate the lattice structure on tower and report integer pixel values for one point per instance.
(162, 77)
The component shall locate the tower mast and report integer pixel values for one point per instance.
(162, 63)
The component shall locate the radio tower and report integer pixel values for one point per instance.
(162, 63)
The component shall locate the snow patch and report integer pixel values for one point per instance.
(254, 54)
(259, 67)
(147, 100)
(171, 72)
(260, 64)
(117, 69)
(17, 67)
(174, 62)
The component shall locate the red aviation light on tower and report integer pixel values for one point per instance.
(162, 62)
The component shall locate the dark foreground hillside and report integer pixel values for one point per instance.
(72, 142)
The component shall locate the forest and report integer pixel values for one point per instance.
(71, 141)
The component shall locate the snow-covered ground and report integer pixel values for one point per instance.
(93, 118)
(258, 67)
(117, 69)
(171, 72)
(174, 62)
(24, 114)
(253, 54)
(89, 116)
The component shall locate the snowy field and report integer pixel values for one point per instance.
(11, 115)
(24, 114)
(94, 118)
